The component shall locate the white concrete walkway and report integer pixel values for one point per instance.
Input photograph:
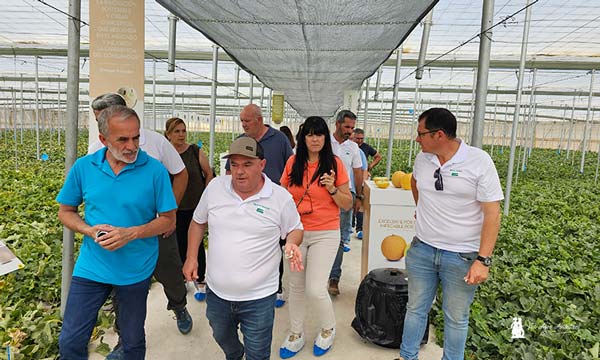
(165, 342)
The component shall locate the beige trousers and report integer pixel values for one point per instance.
(318, 253)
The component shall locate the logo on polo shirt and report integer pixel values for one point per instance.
(260, 208)
(454, 172)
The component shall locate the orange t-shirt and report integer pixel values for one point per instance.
(317, 210)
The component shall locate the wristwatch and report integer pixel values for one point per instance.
(485, 260)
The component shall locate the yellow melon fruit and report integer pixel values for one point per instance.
(393, 247)
(397, 178)
(405, 181)
(381, 182)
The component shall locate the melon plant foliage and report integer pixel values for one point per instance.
(546, 265)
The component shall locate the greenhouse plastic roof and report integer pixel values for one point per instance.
(311, 50)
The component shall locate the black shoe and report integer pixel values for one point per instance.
(184, 321)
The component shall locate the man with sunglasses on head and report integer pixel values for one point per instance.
(457, 192)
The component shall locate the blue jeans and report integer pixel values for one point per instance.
(427, 267)
(345, 232)
(255, 319)
(81, 313)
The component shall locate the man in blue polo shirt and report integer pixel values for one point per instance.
(277, 150)
(123, 190)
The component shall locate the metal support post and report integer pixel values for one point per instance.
(562, 131)
(251, 89)
(153, 94)
(172, 42)
(366, 109)
(22, 109)
(587, 123)
(174, 95)
(471, 116)
(237, 96)
(414, 124)
(58, 113)
(270, 106)
(511, 160)
(71, 137)
(483, 68)
(494, 122)
(527, 128)
(378, 83)
(37, 111)
(571, 125)
(424, 41)
(262, 96)
(14, 119)
(213, 105)
(390, 149)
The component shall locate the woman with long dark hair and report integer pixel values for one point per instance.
(318, 182)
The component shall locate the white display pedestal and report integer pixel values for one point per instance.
(387, 212)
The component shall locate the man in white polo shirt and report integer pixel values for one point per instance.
(247, 215)
(457, 192)
(349, 152)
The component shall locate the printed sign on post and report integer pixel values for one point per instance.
(117, 53)
(277, 107)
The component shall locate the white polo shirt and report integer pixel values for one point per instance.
(451, 219)
(156, 146)
(243, 256)
(349, 153)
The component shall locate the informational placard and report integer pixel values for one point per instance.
(277, 107)
(388, 228)
(8, 261)
(117, 53)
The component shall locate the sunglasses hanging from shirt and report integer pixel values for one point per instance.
(439, 182)
(306, 195)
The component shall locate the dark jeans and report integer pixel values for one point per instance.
(81, 313)
(345, 232)
(184, 218)
(357, 221)
(255, 320)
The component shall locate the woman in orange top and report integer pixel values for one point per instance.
(318, 183)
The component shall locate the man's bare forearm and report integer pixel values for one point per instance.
(489, 228)
(195, 234)
(69, 216)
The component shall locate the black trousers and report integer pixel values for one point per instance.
(184, 218)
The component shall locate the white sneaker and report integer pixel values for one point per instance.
(291, 346)
(324, 341)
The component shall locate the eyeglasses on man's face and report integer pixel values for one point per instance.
(439, 183)
(421, 134)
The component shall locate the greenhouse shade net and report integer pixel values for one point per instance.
(312, 51)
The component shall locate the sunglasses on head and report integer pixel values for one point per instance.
(439, 182)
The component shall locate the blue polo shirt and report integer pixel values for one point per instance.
(277, 149)
(133, 197)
